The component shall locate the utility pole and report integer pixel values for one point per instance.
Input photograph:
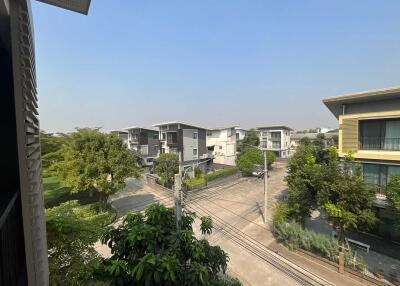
(265, 186)
(178, 193)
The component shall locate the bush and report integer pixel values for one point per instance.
(221, 174)
(195, 183)
(281, 213)
(198, 173)
(295, 237)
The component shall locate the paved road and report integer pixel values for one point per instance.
(240, 203)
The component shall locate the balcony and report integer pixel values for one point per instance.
(380, 143)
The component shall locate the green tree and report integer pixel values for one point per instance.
(393, 195)
(304, 180)
(71, 233)
(251, 138)
(166, 167)
(149, 250)
(96, 162)
(345, 197)
(50, 143)
(253, 157)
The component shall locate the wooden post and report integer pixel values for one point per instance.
(341, 262)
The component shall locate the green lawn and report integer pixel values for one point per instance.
(55, 194)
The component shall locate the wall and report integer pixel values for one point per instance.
(189, 144)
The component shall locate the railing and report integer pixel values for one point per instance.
(380, 143)
(12, 254)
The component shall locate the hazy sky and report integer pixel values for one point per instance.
(212, 63)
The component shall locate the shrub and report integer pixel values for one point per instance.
(198, 173)
(281, 213)
(195, 183)
(221, 174)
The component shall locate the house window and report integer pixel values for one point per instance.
(209, 133)
(195, 135)
(380, 134)
(194, 152)
(162, 150)
(237, 136)
(155, 136)
(264, 134)
(163, 136)
(378, 175)
(220, 147)
(156, 148)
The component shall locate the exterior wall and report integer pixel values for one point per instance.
(348, 136)
(224, 146)
(266, 140)
(202, 142)
(153, 144)
(242, 134)
(190, 144)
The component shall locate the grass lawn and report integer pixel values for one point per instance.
(55, 194)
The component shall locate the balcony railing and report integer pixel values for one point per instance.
(380, 143)
(12, 255)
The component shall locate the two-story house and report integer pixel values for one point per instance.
(221, 144)
(276, 139)
(122, 134)
(188, 140)
(144, 142)
(369, 127)
(240, 133)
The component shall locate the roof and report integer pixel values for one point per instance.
(80, 6)
(138, 127)
(222, 128)
(334, 104)
(176, 122)
(121, 131)
(275, 127)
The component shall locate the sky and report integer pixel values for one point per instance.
(211, 63)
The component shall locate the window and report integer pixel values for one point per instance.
(209, 133)
(163, 136)
(379, 175)
(155, 136)
(195, 135)
(162, 150)
(156, 148)
(237, 136)
(220, 147)
(380, 134)
(194, 152)
(264, 134)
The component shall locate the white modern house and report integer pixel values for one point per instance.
(240, 133)
(276, 139)
(221, 144)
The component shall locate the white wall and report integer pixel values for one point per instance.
(189, 143)
(224, 145)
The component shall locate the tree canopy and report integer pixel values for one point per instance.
(94, 161)
(251, 158)
(147, 249)
(393, 195)
(250, 139)
(167, 166)
(71, 232)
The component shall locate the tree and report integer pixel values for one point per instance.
(393, 195)
(149, 250)
(250, 139)
(248, 161)
(166, 167)
(304, 180)
(96, 162)
(71, 233)
(345, 197)
(51, 143)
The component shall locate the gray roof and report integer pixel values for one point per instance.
(334, 104)
(275, 127)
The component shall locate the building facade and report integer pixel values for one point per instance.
(144, 142)
(188, 140)
(122, 134)
(240, 133)
(221, 145)
(369, 128)
(276, 139)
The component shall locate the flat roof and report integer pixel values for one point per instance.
(222, 128)
(275, 127)
(138, 127)
(334, 104)
(80, 6)
(176, 122)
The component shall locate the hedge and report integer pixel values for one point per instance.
(221, 174)
(201, 181)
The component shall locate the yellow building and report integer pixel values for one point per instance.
(369, 127)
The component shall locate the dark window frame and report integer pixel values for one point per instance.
(382, 132)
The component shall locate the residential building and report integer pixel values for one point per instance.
(188, 140)
(240, 133)
(296, 138)
(23, 245)
(369, 128)
(122, 134)
(144, 142)
(276, 139)
(221, 144)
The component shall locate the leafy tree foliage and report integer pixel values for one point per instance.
(51, 143)
(71, 233)
(250, 139)
(149, 250)
(393, 195)
(345, 197)
(97, 162)
(167, 166)
(251, 158)
(304, 180)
